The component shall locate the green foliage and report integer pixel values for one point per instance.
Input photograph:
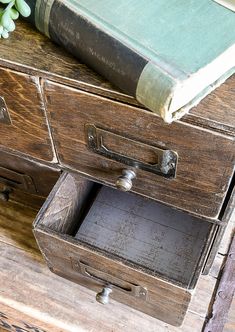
(9, 12)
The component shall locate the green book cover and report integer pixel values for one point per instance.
(167, 54)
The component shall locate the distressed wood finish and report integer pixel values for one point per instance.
(25, 181)
(28, 130)
(206, 159)
(224, 294)
(38, 297)
(46, 60)
(40, 178)
(68, 257)
(136, 229)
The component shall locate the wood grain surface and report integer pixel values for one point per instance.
(206, 158)
(149, 234)
(225, 291)
(64, 255)
(28, 131)
(39, 178)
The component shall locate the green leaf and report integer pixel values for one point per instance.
(22, 7)
(14, 13)
(5, 34)
(9, 12)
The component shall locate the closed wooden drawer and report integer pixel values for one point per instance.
(101, 138)
(150, 263)
(25, 181)
(23, 124)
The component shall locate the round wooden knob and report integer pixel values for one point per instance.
(103, 296)
(124, 182)
(4, 195)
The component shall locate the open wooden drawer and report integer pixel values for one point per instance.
(123, 246)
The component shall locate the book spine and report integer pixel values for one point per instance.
(115, 61)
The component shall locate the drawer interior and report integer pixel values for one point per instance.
(139, 232)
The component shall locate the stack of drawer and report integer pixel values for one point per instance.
(148, 246)
(26, 146)
(151, 268)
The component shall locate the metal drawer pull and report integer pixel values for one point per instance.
(124, 182)
(4, 114)
(103, 296)
(110, 281)
(17, 180)
(129, 152)
(4, 194)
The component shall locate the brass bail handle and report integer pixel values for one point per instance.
(124, 182)
(103, 296)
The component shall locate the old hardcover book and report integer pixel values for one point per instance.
(167, 54)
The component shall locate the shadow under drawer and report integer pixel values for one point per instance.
(143, 253)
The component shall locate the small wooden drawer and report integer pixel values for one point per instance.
(184, 166)
(23, 124)
(25, 181)
(147, 255)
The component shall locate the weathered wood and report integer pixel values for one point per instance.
(41, 298)
(146, 233)
(230, 322)
(67, 203)
(25, 181)
(205, 158)
(28, 130)
(27, 175)
(70, 258)
(216, 111)
(224, 294)
(11, 320)
(16, 227)
(66, 305)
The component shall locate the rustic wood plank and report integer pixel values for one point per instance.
(144, 232)
(11, 320)
(224, 294)
(230, 322)
(229, 231)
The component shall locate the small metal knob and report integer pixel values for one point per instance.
(103, 296)
(124, 182)
(4, 195)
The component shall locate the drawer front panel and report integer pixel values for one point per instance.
(151, 295)
(21, 175)
(23, 125)
(10, 194)
(205, 159)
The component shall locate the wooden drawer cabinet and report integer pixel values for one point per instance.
(185, 166)
(150, 264)
(23, 124)
(183, 173)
